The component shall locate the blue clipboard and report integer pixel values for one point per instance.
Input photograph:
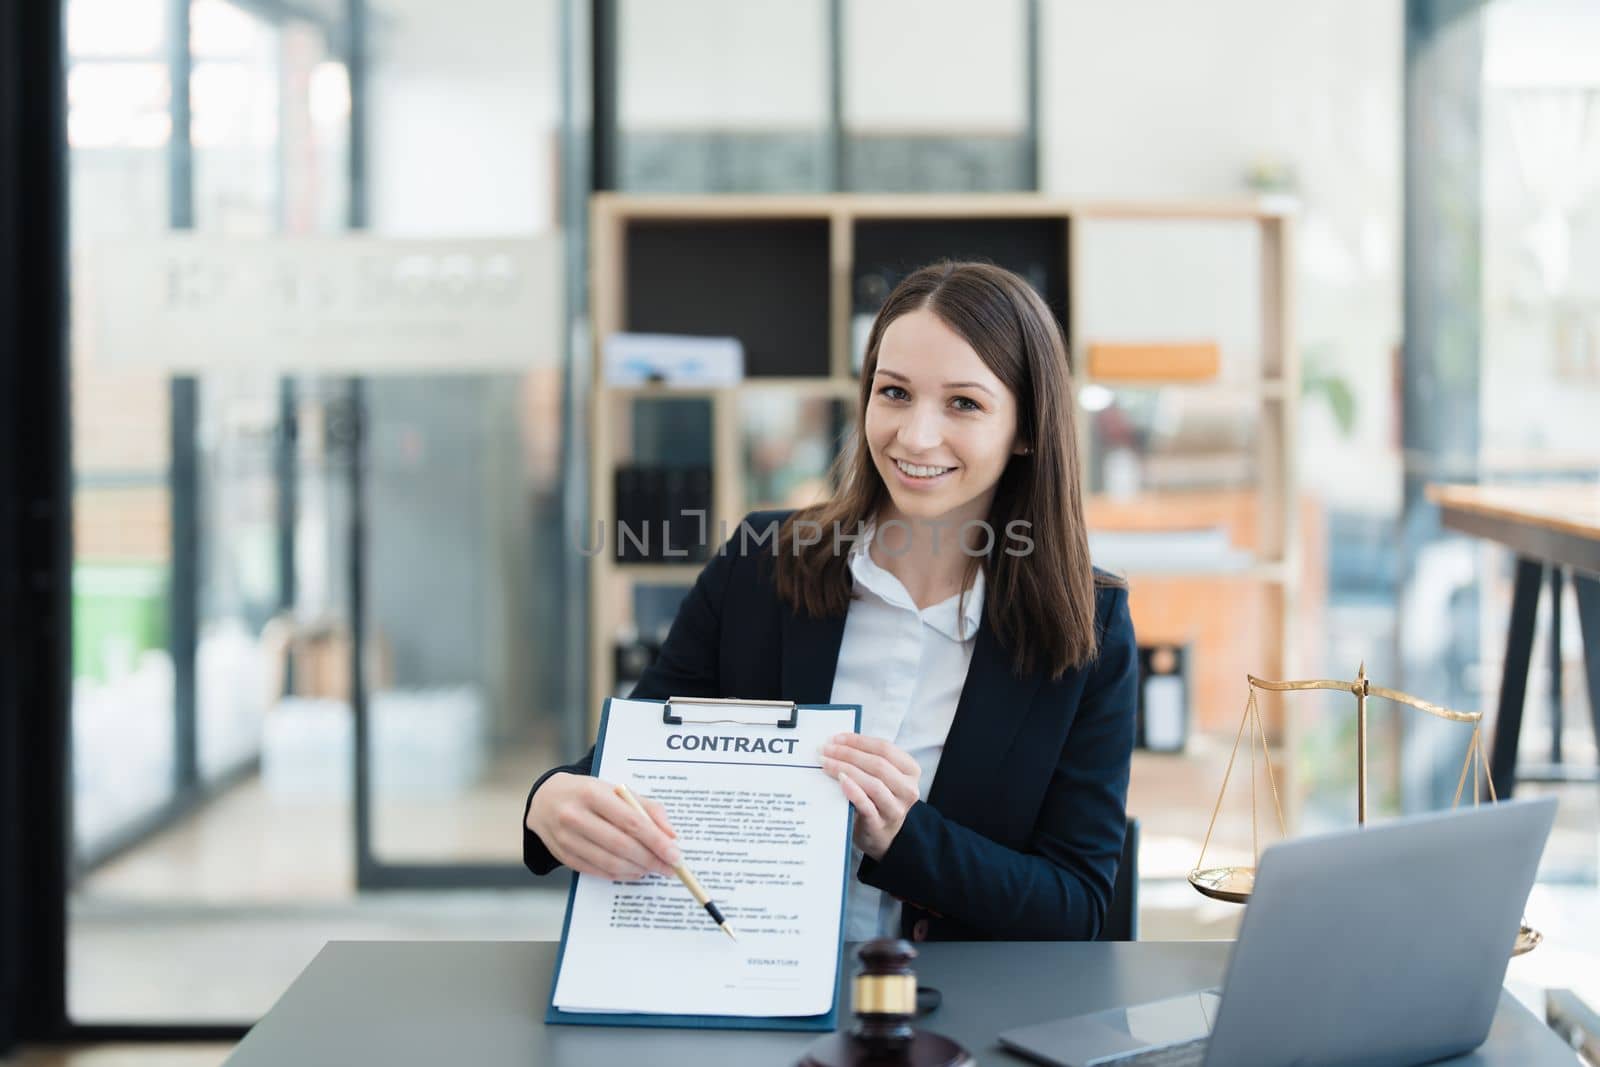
(826, 1022)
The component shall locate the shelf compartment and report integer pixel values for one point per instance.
(888, 249)
(661, 466)
(788, 445)
(762, 280)
(1146, 440)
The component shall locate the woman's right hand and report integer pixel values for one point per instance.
(589, 828)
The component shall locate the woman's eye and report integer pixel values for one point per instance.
(963, 403)
(893, 392)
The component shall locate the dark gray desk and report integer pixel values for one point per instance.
(397, 1003)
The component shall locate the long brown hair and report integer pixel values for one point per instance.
(1041, 603)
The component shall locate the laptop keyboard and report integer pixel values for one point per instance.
(1188, 1054)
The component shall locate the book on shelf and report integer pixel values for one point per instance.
(663, 514)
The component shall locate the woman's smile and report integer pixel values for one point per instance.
(922, 476)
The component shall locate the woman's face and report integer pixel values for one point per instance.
(939, 425)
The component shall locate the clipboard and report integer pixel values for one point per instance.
(712, 711)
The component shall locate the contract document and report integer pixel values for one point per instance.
(766, 832)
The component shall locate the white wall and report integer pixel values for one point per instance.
(1170, 99)
(935, 65)
(1550, 43)
(909, 65)
(1165, 98)
(1541, 234)
(465, 114)
(723, 64)
(461, 155)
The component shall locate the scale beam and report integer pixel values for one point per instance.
(1235, 884)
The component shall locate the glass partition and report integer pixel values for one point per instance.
(234, 493)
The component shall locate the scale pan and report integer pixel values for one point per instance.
(1527, 940)
(1232, 884)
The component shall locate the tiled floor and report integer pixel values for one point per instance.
(251, 846)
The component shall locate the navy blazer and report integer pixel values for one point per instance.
(1022, 830)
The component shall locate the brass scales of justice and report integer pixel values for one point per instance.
(1234, 884)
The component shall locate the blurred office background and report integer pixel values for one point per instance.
(329, 619)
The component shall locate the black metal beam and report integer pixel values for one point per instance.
(286, 475)
(35, 524)
(1587, 591)
(1514, 676)
(356, 29)
(180, 146)
(355, 475)
(183, 605)
(361, 740)
(604, 89)
(183, 629)
(577, 133)
(1554, 652)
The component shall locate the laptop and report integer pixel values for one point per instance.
(1382, 945)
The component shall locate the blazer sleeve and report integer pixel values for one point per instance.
(686, 666)
(1059, 886)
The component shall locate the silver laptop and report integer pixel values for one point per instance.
(1386, 945)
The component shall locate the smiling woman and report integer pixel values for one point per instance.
(995, 675)
(968, 425)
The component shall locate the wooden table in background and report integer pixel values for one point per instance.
(1554, 528)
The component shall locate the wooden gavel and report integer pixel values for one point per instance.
(884, 1000)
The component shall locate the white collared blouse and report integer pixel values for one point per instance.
(905, 667)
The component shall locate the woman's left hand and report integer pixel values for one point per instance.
(879, 780)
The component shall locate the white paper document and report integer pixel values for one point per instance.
(766, 832)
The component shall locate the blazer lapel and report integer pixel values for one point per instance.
(994, 702)
(810, 657)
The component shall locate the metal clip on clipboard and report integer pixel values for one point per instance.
(713, 703)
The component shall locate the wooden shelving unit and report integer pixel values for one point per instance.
(784, 274)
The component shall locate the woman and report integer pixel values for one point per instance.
(995, 668)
